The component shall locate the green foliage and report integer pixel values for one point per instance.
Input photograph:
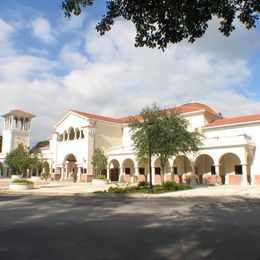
(142, 184)
(169, 135)
(159, 23)
(22, 181)
(46, 175)
(36, 148)
(19, 160)
(74, 176)
(101, 177)
(99, 161)
(169, 185)
(37, 162)
(142, 187)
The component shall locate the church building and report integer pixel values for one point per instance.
(230, 153)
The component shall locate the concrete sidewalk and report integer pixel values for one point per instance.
(69, 188)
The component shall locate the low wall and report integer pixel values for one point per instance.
(235, 179)
(126, 178)
(141, 178)
(55, 177)
(257, 179)
(86, 178)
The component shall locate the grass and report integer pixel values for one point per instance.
(143, 187)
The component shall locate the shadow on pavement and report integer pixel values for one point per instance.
(102, 227)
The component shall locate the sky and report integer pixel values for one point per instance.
(50, 64)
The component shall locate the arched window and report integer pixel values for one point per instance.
(71, 133)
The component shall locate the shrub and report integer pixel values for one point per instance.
(183, 186)
(142, 184)
(101, 177)
(46, 175)
(169, 185)
(117, 190)
(22, 181)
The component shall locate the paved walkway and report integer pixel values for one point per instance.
(69, 188)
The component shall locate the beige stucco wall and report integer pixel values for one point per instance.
(108, 135)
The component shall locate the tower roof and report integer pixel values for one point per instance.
(19, 113)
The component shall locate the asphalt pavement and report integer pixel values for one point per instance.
(36, 227)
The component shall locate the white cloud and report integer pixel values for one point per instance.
(109, 76)
(42, 30)
(6, 31)
(72, 24)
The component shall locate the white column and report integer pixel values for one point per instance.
(62, 174)
(121, 173)
(217, 170)
(66, 171)
(192, 176)
(79, 174)
(153, 175)
(108, 174)
(244, 176)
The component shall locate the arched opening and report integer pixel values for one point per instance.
(1, 169)
(65, 134)
(82, 134)
(71, 133)
(71, 167)
(114, 170)
(143, 169)
(229, 164)
(204, 165)
(77, 133)
(159, 171)
(128, 167)
(60, 137)
(182, 169)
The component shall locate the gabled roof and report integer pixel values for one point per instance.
(93, 116)
(235, 120)
(18, 112)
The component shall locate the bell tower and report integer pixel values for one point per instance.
(16, 130)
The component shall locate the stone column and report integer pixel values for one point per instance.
(108, 177)
(244, 176)
(121, 173)
(62, 174)
(66, 171)
(153, 175)
(192, 176)
(79, 174)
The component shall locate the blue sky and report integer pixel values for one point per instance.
(49, 64)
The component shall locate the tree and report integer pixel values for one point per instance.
(19, 160)
(159, 23)
(36, 162)
(99, 161)
(38, 146)
(169, 135)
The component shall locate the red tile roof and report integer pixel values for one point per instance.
(18, 112)
(103, 118)
(186, 108)
(235, 120)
